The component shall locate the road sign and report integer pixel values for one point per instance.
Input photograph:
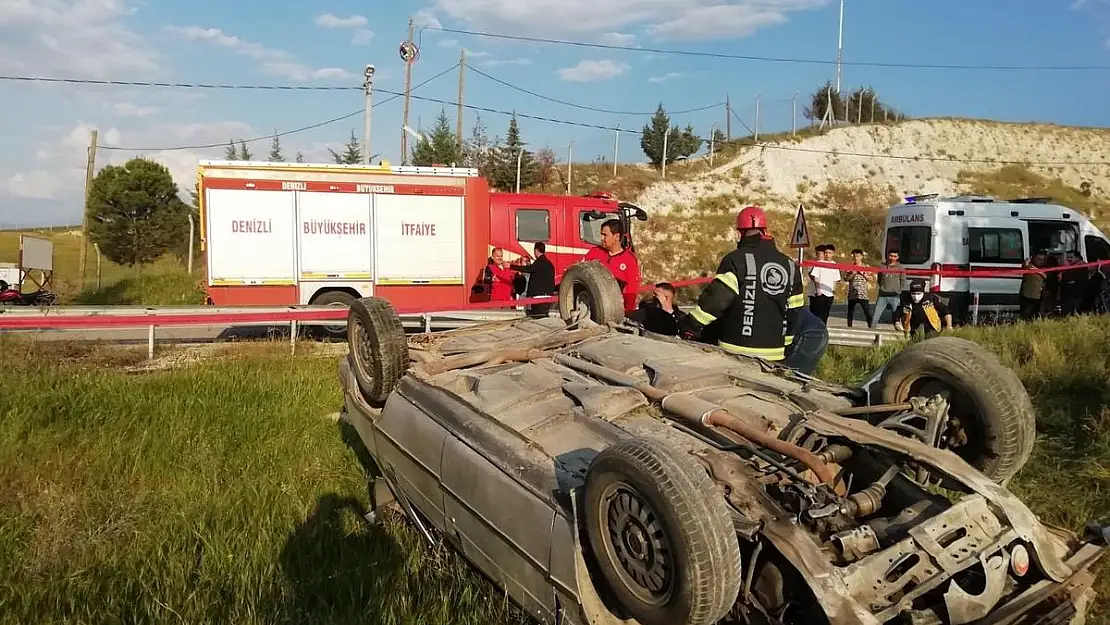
(800, 234)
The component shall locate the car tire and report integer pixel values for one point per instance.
(334, 298)
(591, 285)
(634, 480)
(985, 396)
(378, 347)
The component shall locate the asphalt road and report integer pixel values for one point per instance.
(211, 333)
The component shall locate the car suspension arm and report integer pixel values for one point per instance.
(692, 410)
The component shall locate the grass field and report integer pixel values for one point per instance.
(165, 282)
(223, 493)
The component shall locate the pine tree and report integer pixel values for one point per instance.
(275, 151)
(230, 154)
(352, 152)
(478, 149)
(244, 153)
(441, 148)
(680, 143)
(504, 174)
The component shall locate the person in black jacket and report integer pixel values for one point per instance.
(754, 297)
(541, 279)
(658, 313)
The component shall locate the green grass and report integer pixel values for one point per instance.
(216, 493)
(222, 493)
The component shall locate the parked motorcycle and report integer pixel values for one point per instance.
(10, 296)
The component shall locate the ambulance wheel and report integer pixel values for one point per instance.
(378, 347)
(589, 287)
(337, 299)
(991, 425)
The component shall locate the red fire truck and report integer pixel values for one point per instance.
(295, 233)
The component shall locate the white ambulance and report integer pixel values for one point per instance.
(980, 233)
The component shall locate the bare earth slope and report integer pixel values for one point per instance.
(917, 156)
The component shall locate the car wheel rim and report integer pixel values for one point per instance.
(638, 545)
(364, 350)
(337, 329)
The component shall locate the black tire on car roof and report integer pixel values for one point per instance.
(987, 398)
(662, 534)
(378, 346)
(592, 285)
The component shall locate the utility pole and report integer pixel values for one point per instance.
(89, 167)
(794, 115)
(666, 133)
(570, 159)
(757, 97)
(459, 112)
(408, 85)
(616, 146)
(728, 119)
(839, 46)
(368, 91)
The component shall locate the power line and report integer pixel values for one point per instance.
(178, 85)
(773, 59)
(582, 106)
(287, 132)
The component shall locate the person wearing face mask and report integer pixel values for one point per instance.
(925, 312)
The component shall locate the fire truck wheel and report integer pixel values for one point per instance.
(590, 287)
(378, 346)
(334, 298)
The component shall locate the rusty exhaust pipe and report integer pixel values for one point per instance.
(694, 410)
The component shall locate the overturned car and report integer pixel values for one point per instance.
(601, 474)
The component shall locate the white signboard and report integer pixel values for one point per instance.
(250, 236)
(335, 235)
(419, 239)
(35, 253)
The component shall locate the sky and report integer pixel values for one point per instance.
(327, 43)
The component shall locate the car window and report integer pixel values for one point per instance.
(913, 243)
(590, 229)
(533, 224)
(1097, 248)
(995, 245)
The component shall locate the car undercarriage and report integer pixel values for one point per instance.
(602, 474)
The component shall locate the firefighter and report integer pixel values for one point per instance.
(622, 263)
(755, 296)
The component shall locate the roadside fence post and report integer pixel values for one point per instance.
(150, 342)
(292, 337)
(975, 308)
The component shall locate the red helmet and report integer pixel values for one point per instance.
(751, 217)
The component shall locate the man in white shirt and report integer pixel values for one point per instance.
(824, 284)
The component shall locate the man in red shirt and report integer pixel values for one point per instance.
(622, 263)
(499, 276)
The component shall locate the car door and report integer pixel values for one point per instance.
(500, 526)
(410, 452)
(993, 246)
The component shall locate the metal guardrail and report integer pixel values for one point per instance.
(153, 318)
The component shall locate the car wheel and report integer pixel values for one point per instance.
(992, 424)
(590, 286)
(338, 299)
(662, 534)
(379, 349)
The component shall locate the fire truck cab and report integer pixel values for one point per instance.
(298, 233)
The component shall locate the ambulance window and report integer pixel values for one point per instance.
(590, 229)
(995, 245)
(911, 242)
(1097, 249)
(533, 224)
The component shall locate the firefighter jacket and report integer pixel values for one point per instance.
(755, 298)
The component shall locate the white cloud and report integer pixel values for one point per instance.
(670, 18)
(731, 21)
(130, 109)
(479, 54)
(592, 71)
(274, 62)
(665, 77)
(426, 18)
(448, 43)
(362, 37)
(327, 20)
(74, 38)
(497, 62)
(618, 39)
